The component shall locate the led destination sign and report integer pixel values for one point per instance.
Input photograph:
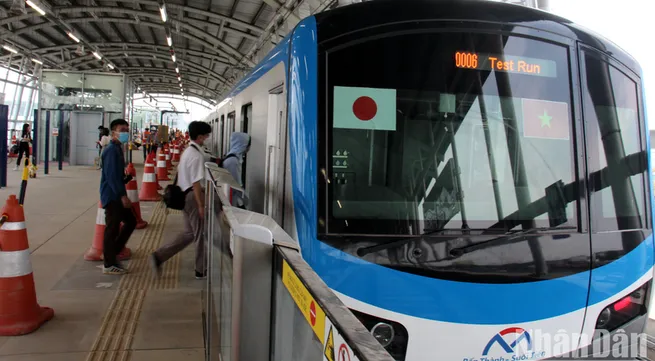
(506, 63)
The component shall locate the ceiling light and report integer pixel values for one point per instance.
(180, 85)
(173, 57)
(95, 53)
(110, 66)
(37, 61)
(70, 35)
(179, 78)
(169, 40)
(138, 88)
(162, 11)
(177, 70)
(10, 49)
(35, 7)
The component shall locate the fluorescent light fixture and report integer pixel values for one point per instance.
(70, 35)
(179, 78)
(35, 7)
(162, 11)
(180, 85)
(110, 66)
(173, 57)
(37, 61)
(169, 40)
(177, 70)
(138, 88)
(10, 49)
(95, 53)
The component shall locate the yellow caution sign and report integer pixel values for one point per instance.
(329, 346)
(304, 300)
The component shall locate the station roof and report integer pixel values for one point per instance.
(214, 41)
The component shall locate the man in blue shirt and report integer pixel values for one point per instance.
(113, 197)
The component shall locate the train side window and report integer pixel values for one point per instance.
(246, 115)
(617, 157)
(221, 139)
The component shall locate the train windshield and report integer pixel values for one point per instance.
(439, 131)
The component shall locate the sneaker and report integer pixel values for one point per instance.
(114, 270)
(200, 276)
(155, 265)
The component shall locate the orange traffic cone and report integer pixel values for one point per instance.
(162, 171)
(149, 184)
(133, 194)
(151, 161)
(20, 313)
(167, 152)
(95, 252)
(176, 152)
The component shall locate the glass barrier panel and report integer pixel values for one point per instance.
(62, 90)
(104, 92)
(292, 338)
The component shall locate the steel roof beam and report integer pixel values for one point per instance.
(141, 13)
(174, 78)
(90, 60)
(117, 46)
(193, 33)
(150, 87)
(169, 96)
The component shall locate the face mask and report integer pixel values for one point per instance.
(123, 137)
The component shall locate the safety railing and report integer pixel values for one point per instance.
(262, 300)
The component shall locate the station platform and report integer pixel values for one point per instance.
(100, 317)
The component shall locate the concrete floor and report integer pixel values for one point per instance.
(97, 317)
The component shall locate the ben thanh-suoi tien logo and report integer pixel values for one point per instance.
(510, 344)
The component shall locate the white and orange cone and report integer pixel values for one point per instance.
(133, 194)
(149, 185)
(176, 152)
(95, 252)
(20, 313)
(167, 153)
(162, 170)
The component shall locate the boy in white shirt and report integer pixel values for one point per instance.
(190, 179)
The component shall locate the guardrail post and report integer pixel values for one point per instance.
(46, 155)
(35, 142)
(4, 124)
(60, 141)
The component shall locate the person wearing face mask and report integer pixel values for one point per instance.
(233, 161)
(114, 200)
(190, 179)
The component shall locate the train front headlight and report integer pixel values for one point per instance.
(625, 309)
(384, 333)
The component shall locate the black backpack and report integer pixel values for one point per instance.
(174, 197)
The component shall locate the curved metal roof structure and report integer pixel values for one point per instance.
(205, 45)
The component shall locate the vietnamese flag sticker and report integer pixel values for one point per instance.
(364, 108)
(545, 119)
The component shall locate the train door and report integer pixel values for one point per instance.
(275, 154)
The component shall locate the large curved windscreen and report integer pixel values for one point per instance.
(440, 131)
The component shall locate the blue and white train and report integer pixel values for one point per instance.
(467, 176)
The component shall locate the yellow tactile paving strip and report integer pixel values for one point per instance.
(115, 337)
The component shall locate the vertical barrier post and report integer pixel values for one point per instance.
(46, 154)
(35, 141)
(60, 141)
(4, 124)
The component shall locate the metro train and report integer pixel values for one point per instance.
(469, 177)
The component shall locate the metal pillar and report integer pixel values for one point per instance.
(60, 141)
(46, 155)
(4, 122)
(35, 141)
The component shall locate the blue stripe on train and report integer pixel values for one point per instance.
(410, 294)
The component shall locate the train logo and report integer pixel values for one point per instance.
(522, 335)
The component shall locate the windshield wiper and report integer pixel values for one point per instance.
(400, 242)
(460, 251)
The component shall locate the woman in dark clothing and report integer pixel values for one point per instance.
(24, 144)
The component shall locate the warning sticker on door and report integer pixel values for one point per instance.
(304, 300)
